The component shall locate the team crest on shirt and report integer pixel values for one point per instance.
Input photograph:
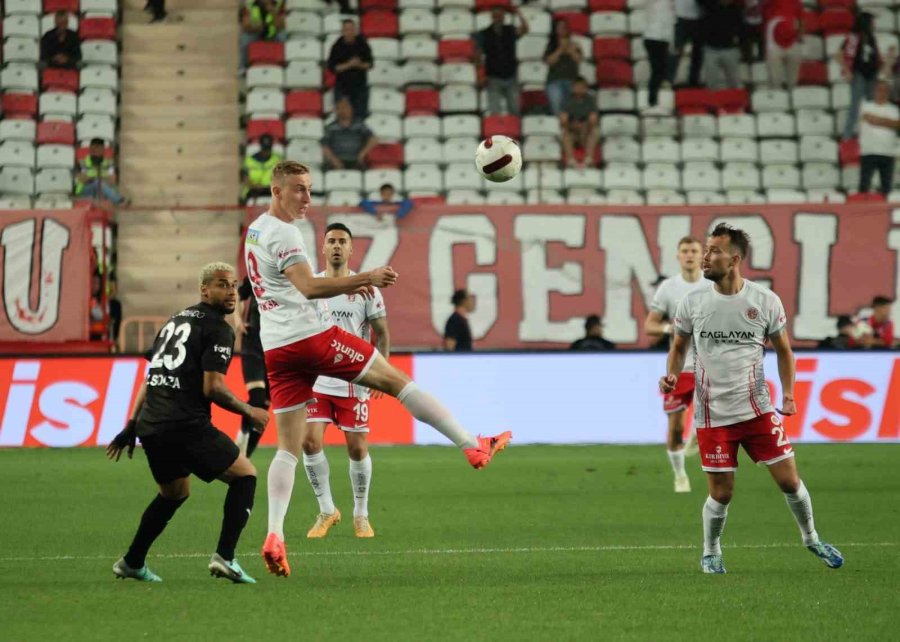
(752, 313)
(351, 298)
(338, 357)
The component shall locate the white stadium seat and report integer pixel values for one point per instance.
(777, 176)
(661, 176)
(702, 176)
(660, 150)
(422, 150)
(621, 176)
(425, 178)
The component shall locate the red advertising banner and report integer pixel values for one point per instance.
(538, 271)
(45, 259)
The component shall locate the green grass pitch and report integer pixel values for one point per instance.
(548, 543)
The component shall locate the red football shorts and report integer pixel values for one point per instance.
(680, 398)
(762, 437)
(292, 369)
(347, 413)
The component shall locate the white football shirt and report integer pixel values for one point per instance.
(350, 312)
(668, 295)
(729, 334)
(286, 316)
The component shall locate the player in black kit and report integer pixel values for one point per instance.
(171, 416)
(253, 367)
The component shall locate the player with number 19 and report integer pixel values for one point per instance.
(171, 416)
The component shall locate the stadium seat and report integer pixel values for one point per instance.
(387, 127)
(740, 150)
(693, 101)
(660, 126)
(865, 197)
(741, 176)
(307, 48)
(303, 102)
(813, 47)
(699, 149)
(589, 178)
(814, 122)
(660, 150)
(30, 7)
(530, 48)
(422, 101)
(705, 197)
(305, 23)
(736, 125)
(811, 98)
(92, 126)
(608, 22)
(460, 125)
(779, 176)
(97, 29)
(416, 22)
(423, 127)
(698, 126)
(542, 149)
(624, 197)
(420, 73)
(17, 129)
(503, 197)
(730, 101)
(622, 149)
(769, 100)
(540, 125)
(661, 176)
(504, 125)
(840, 96)
(379, 24)
(780, 150)
(54, 180)
(785, 195)
(464, 197)
(59, 80)
(19, 105)
(611, 48)
(620, 176)
(99, 52)
(777, 125)
(459, 98)
(455, 50)
(58, 105)
(621, 99)
(826, 195)
(342, 198)
(301, 74)
(813, 72)
(23, 50)
(532, 73)
(544, 197)
(701, 176)
(455, 23)
(387, 100)
(265, 103)
(534, 101)
(19, 77)
(820, 175)
(457, 72)
(833, 21)
(386, 74)
(619, 125)
(16, 180)
(456, 150)
(17, 153)
(637, 22)
(385, 156)
(275, 128)
(15, 202)
(98, 77)
(53, 202)
(306, 151)
(462, 176)
(614, 73)
(343, 180)
(818, 149)
(424, 178)
(744, 197)
(52, 132)
(665, 197)
(848, 152)
(22, 26)
(266, 52)
(373, 179)
(265, 76)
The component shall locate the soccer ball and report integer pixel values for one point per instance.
(498, 158)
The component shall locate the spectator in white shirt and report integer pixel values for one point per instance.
(658, 36)
(878, 124)
(687, 28)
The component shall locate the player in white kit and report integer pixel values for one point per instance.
(730, 323)
(659, 323)
(300, 344)
(346, 405)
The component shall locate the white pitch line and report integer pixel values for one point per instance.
(453, 551)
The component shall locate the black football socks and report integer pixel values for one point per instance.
(238, 504)
(153, 523)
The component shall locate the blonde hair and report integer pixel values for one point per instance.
(208, 271)
(288, 168)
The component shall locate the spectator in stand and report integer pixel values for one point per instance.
(98, 327)
(658, 36)
(61, 47)
(256, 175)
(860, 63)
(96, 178)
(457, 333)
(261, 20)
(844, 339)
(347, 142)
(593, 340)
(723, 22)
(350, 60)
(563, 55)
(882, 327)
(687, 29)
(579, 123)
(878, 126)
(388, 204)
(498, 45)
(752, 32)
(784, 42)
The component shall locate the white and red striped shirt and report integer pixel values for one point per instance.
(729, 334)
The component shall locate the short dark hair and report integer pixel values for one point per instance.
(458, 297)
(346, 20)
(581, 79)
(843, 321)
(61, 13)
(737, 238)
(881, 300)
(98, 141)
(340, 227)
(386, 186)
(592, 321)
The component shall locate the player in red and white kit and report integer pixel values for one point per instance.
(662, 310)
(346, 405)
(730, 323)
(300, 344)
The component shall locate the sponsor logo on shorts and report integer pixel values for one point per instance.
(752, 313)
(717, 456)
(353, 355)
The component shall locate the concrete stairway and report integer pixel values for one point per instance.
(178, 147)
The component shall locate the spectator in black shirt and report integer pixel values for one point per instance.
(457, 334)
(593, 340)
(723, 23)
(498, 44)
(350, 60)
(60, 47)
(844, 339)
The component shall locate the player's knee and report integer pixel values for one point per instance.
(721, 495)
(175, 493)
(312, 445)
(791, 485)
(357, 451)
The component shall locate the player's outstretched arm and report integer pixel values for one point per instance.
(302, 278)
(675, 363)
(215, 389)
(786, 371)
(655, 326)
(127, 439)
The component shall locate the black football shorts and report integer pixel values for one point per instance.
(205, 452)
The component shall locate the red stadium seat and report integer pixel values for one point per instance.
(837, 4)
(264, 52)
(256, 128)
(20, 105)
(422, 101)
(380, 24)
(608, 5)
(811, 22)
(386, 155)
(328, 78)
(502, 125)
(534, 101)
(835, 21)
(694, 101)
(456, 50)
(303, 102)
(97, 29)
(813, 72)
(368, 5)
(578, 21)
(615, 73)
(581, 156)
(848, 151)
(612, 48)
(730, 101)
(52, 6)
(52, 132)
(866, 197)
(487, 5)
(60, 80)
